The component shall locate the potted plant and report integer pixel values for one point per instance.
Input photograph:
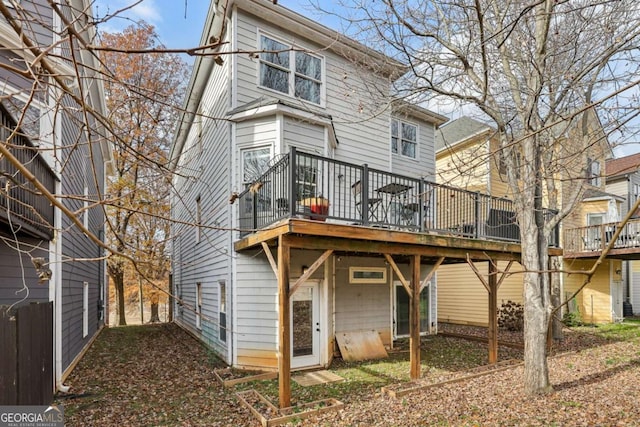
(318, 206)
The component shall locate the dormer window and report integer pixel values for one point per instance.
(288, 71)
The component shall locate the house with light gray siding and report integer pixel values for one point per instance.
(299, 88)
(45, 254)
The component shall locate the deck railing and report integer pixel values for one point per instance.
(597, 237)
(310, 186)
(28, 211)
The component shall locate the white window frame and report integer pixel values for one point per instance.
(85, 211)
(355, 279)
(222, 309)
(198, 219)
(595, 173)
(198, 305)
(291, 70)
(400, 140)
(269, 148)
(85, 309)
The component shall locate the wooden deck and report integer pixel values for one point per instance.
(309, 234)
(415, 248)
(589, 242)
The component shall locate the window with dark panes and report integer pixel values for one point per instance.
(288, 71)
(308, 77)
(274, 65)
(254, 163)
(404, 138)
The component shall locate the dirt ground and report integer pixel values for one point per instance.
(157, 375)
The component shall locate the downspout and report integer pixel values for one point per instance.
(56, 245)
(57, 283)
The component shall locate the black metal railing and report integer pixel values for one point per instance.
(21, 204)
(314, 187)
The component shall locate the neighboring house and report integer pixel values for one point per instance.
(67, 153)
(334, 218)
(623, 179)
(467, 155)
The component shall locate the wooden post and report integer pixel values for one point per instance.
(493, 312)
(284, 320)
(414, 320)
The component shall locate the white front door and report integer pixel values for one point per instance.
(305, 326)
(616, 299)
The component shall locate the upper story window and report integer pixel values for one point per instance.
(593, 172)
(404, 138)
(290, 72)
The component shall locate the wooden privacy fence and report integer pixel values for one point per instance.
(26, 365)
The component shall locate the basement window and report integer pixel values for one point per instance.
(367, 275)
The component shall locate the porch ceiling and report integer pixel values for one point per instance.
(309, 234)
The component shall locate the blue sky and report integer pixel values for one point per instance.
(179, 23)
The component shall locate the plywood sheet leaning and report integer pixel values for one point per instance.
(360, 345)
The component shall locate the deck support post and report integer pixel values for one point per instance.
(414, 320)
(493, 311)
(284, 320)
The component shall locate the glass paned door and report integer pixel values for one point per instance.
(305, 326)
(402, 310)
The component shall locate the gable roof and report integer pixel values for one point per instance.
(622, 166)
(459, 130)
(401, 106)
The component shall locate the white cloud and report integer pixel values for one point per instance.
(147, 10)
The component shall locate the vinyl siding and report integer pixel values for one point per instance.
(257, 299)
(305, 136)
(76, 172)
(424, 163)
(634, 291)
(17, 268)
(40, 20)
(361, 124)
(362, 307)
(463, 299)
(206, 160)
(594, 302)
(464, 166)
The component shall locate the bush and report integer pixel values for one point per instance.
(572, 318)
(511, 316)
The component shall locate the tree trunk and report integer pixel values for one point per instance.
(537, 306)
(154, 308)
(556, 300)
(536, 321)
(118, 284)
(141, 300)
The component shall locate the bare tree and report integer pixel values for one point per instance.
(536, 70)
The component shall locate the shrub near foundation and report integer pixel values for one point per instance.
(511, 316)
